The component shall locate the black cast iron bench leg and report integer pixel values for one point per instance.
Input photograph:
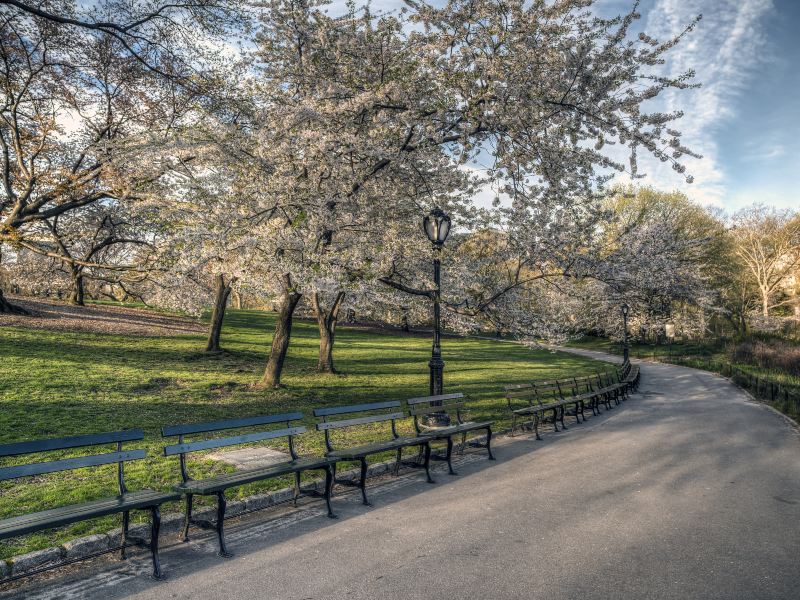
(489, 443)
(221, 504)
(450, 455)
(126, 520)
(329, 476)
(428, 463)
(363, 482)
(296, 487)
(188, 515)
(155, 527)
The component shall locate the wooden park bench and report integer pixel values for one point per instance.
(452, 405)
(122, 503)
(629, 375)
(532, 410)
(216, 486)
(376, 412)
(585, 389)
(611, 388)
(559, 392)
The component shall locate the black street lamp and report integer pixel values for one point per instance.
(625, 310)
(437, 228)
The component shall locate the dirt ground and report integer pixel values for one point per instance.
(53, 315)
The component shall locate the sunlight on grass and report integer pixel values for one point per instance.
(59, 384)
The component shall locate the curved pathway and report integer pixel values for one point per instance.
(688, 490)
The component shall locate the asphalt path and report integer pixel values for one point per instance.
(688, 490)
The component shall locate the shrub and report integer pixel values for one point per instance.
(776, 355)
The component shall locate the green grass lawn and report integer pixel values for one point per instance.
(60, 384)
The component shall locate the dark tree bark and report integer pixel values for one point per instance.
(327, 320)
(77, 296)
(282, 335)
(404, 326)
(222, 291)
(12, 309)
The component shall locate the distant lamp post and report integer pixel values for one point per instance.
(625, 310)
(437, 228)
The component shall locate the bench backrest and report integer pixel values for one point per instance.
(623, 372)
(120, 456)
(582, 385)
(548, 390)
(607, 378)
(182, 448)
(520, 392)
(374, 412)
(443, 403)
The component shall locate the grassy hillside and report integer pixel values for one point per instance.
(58, 384)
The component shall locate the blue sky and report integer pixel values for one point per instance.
(745, 120)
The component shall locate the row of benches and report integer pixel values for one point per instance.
(549, 401)
(266, 427)
(542, 401)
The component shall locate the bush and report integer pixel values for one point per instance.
(776, 355)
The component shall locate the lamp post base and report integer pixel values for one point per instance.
(439, 419)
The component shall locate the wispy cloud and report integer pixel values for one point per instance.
(724, 50)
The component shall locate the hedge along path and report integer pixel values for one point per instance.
(67, 383)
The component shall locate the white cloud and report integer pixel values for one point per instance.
(724, 50)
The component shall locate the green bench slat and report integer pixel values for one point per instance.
(189, 428)
(375, 447)
(95, 439)
(64, 515)
(439, 398)
(228, 480)
(359, 421)
(69, 463)
(461, 428)
(352, 408)
(230, 441)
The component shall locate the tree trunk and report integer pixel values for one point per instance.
(765, 304)
(221, 293)
(281, 337)
(77, 295)
(327, 321)
(238, 302)
(12, 309)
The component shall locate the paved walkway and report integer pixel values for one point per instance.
(688, 490)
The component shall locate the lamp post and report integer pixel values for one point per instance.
(437, 228)
(625, 310)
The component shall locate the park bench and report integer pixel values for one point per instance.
(122, 503)
(629, 375)
(216, 486)
(553, 392)
(609, 386)
(585, 389)
(533, 411)
(452, 405)
(372, 413)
